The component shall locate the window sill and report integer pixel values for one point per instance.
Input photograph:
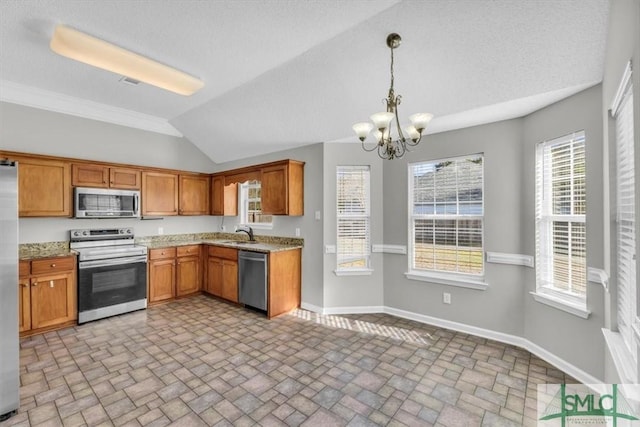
(354, 272)
(622, 358)
(258, 226)
(449, 279)
(562, 304)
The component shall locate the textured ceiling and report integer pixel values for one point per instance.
(284, 73)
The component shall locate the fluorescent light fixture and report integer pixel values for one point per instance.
(99, 53)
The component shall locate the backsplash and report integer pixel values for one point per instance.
(218, 236)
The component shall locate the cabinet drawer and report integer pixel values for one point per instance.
(190, 250)
(51, 265)
(226, 253)
(162, 253)
(24, 268)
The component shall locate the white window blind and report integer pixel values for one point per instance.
(353, 214)
(251, 205)
(561, 217)
(446, 216)
(625, 218)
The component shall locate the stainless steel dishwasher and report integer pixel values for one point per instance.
(252, 278)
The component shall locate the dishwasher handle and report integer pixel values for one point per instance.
(252, 256)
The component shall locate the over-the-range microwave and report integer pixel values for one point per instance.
(106, 203)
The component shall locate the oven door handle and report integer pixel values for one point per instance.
(113, 261)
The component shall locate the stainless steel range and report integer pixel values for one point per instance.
(112, 272)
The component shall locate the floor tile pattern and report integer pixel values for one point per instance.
(202, 362)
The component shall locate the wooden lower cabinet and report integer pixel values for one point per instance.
(47, 296)
(174, 272)
(162, 274)
(189, 270)
(222, 273)
(284, 273)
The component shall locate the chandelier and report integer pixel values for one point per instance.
(388, 147)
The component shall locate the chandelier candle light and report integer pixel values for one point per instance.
(389, 148)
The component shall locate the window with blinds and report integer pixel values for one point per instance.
(354, 220)
(560, 217)
(625, 218)
(446, 216)
(251, 205)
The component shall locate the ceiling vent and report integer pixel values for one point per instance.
(129, 81)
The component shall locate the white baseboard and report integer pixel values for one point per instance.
(515, 340)
(311, 307)
(353, 310)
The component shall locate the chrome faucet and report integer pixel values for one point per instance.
(249, 233)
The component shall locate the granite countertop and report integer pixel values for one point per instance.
(266, 244)
(264, 247)
(31, 251)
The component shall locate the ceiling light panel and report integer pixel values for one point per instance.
(90, 50)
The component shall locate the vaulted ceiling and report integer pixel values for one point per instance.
(284, 73)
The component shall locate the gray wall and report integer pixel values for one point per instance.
(499, 308)
(569, 337)
(352, 291)
(506, 306)
(623, 44)
(31, 130)
(36, 131)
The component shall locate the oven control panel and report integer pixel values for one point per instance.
(100, 234)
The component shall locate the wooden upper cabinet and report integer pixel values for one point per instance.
(44, 187)
(125, 178)
(90, 175)
(159, 194)
(86, 175)
(224, 198)
(283, 188)
(194, 195)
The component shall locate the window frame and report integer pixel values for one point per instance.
(243, 207)
(367, 269)
(460, 279)
(546, 292)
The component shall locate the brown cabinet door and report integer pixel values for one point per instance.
(224, 198)
(162, 279)
(53, 300)
(86, 175)
(217, 195)
(274, 190)
(125, 178)
(188, 275)
(44, 187)
(24, 305)
(194, 195)
(230, 280)
(159, 194)
(214, 276)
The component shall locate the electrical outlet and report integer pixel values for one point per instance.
(317, 215)
(297, 232)
(446, 298)
(161, 230)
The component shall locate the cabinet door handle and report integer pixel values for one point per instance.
(51, 283)
(53, 266)
(34, 284)
(24, 285)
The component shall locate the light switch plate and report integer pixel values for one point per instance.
(317, 215)
(330, 249)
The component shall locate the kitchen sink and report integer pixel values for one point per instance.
(239, 242)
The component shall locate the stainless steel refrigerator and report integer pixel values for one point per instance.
(9, 362)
